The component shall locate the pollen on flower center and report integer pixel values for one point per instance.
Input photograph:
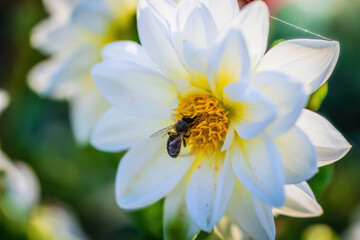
(211, 122)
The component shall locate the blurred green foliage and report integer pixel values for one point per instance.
(321, 180)
(317, 98)
(37, 131)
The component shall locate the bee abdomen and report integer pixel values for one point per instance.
(172, 153)
(173, 147)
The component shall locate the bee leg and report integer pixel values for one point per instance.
(187, 136)
(184, 142)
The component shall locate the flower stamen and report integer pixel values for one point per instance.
(211, 122)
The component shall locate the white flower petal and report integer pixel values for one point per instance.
(228, 229)
(58, 76)
(258, 165)
(197, 31)
(134, 89)
(254, 217)
(147, 173)
(253, 21)
(92, 15)
(22, 190)
(229, 139)
(209, 191)
(250, 111)
(228, 62)
(177, 221)
(40, 35)
(5, 163)
(195, 58)
(40, 77)
(195, 23)
(182, 12)
(4, 100)
(86, 107)
(192, 35)
(56, 221)
(299, 202)
(166, 8)
(330, 145)
(309, 61)
(54, 37)
(50, 35)
(59, 7)
(265, 216)
(222, 11)
(154, 34)
(117, 131)
(287, 96)
(129, 51)
(298, 154)
(196, 64)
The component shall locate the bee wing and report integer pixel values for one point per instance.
(177, 141)
(174, 145)
(162, 132)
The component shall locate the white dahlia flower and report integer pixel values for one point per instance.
(21, 191)
(72, 37)
(54, 221)
(250, 144)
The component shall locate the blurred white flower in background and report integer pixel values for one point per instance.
(228, 229)
(251, 145)
(319, 232)
(19, 185)
(353, 231)
(55, 222)
(20, 201)
(4, 100)
(72, 37)
(20, 189)
(300, 202)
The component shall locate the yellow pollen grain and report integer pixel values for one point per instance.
(211, 122)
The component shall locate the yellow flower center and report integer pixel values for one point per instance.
(210, 125)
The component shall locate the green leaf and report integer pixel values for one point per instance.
(207, 236)
(322, 180)
(149, 220)
(317, 98)
(276, 42)
(177, 229)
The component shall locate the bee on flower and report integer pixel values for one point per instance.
(250, 146)
(72, 37)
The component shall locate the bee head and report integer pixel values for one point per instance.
(188, 120)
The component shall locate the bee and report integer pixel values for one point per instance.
(177, 138)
